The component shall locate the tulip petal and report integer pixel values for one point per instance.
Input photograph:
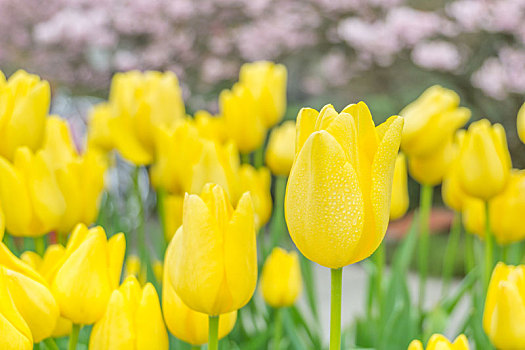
(127, 143)
(116, 252)
(507, 324)
(150, 330)
(306, 119)
(415, 345)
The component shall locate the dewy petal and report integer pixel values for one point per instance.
(324, 204)
(343, 129)
(366, 133)
(326, 117)
(306, 119)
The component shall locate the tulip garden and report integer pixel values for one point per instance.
(218, 234)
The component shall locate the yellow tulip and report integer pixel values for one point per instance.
(214, 265)
(258, 183)
(31, 198)
(140, 103)
(439, 342)
(210, 127)
(338, 194)
(451, 191)
(281, 281)
(431, 121)
(521, 123)
(184, 323)
(484, 160)
(88, 272)
(132, 320)
(243, 118)
(430, 170)
(99, 132)
(25, 103)
(400, 200)
(172, 206)
(133, 267)
(16, 334)
(281, 149)
(504, 314)
(30, 294)
(267, 83)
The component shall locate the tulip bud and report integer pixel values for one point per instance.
(484, 160)
(281, 281)
(400, 200)
(439, 342)
(184, 323)
(267, 83)
(141, 103)
(16, 334)
(25, 103)
(281, 149)
(521, 123)
(88, 273)
(243, 119)
(132, 320)
(258, 183)
(338, 194)
(214, 266)
(504, 314)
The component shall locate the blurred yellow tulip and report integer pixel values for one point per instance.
(439, 342)
(16, 334)
(210, 127)
(140, 103)
(430, 170)
(24, 101)
(504, 314)
(99, 133)
(243, 118)
(338, 195)
(258, 183)
(267, 83)
(431, 121)
(521, 123)
(184, 323)
(400, 199)
(281, 281)
(281, 149)
(214, 265)
(451, 191)
(132, 320)
(484, 160)
(172, 206)
(30, 195)
(133, 267)
(87, 273)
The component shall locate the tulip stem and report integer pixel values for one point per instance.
(40, 245)
(277, 328)
(504, 253)
(141, 239)
(245, 158)
(469, 252)
(50, 344)
(425, 204)
(258, 157)
(451, 251)
(380, 260)
(9, 241)
(213, 333)
(335, 310)
(73, 337)
(195, 347)
(489, 245)
(278, 212)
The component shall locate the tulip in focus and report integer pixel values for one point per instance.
(88, 272)
(184, 323)
(521, 123)
(504, 314)
(258, 183)
(281, 149)
(400, 200)
(439, 342)
(338, 195)
(213, 265)
(281, 281)
(132, 320)
(24, 105)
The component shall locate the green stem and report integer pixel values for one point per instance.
(451, 252)
(73, 337)
(425, 204)
(9, 241)
(505, 253)
(335, 309)
(40, 245)
(258, 157)
(278, 224)
(50, 344)
(380, 260)
(469, 252)
(161, 194)
(213, 333)
(277, 328)
(245, 158)
(195, 347)
(141, 237)
(489, 247)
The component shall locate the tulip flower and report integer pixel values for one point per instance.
(211, 127)
(258, 183)
(521, 123)
(484, 160)
(16, 334)
(429, 170)
(400, 200)
(99, 132)
(25, 103)
(30, 195)
(243, 118)
(439, 342)
(132, 320)
(184, 323)
(172, 207)
(281, 281)
(88, 273)
(451, 191)
(281, 149)
(133, 267)
(338, 194)
(504, 314)
(141, 103)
